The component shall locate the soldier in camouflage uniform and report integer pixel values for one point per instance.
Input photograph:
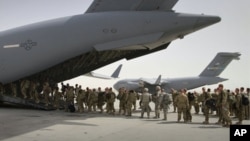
(182, 104)
(145, 100)
(231, 101)
(239, 107)
(122, 97)
(57, 98)
(80, 100)
(91, 100)
(165, 101)
(46, 92)
(24, 87)
(110, 98)
(248, 108)
(131, 98)
(215, 97)
(69, 96)
(156, 100)
(224, 106)
(207, 97)
(101, 99)
(33, 91)
(244, 107)
(174, 95)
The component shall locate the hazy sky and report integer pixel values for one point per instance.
(186, 57)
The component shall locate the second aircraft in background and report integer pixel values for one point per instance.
(208, 76)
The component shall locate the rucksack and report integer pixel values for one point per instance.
(211, 103)
(245, 100)
(167, 99)
(191, 96)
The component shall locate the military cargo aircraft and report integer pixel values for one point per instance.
(208, 76)
(110, 30)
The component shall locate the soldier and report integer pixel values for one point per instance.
(110, 97)
(57, 98)
(156, 100)
(91, 98)
(122, 96)
(207, 97)
(69, 98)
(231, 100)
(33, 91)
(131, 98)
(101, 99)
(245, 102)
(174, 95)
(224, 106)
(192, 98)
(188, 111)
(182, 104)
(239, 106)
(24, 88)
(165, 101)
(95, 99)
(80, 99)
(202, 98)
(145, 99)
(215, 97)
(46, 92)
(248, 107)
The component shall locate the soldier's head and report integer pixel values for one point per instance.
(145, 89)
(248, 90)
(110, 89)
(241, 89)
(220, 87)
(99, 88)
(209, 90)
(203, 89)
(237, 90)
(158, 88)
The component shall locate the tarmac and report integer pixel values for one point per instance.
(22, 124)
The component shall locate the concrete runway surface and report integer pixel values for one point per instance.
(20, 124)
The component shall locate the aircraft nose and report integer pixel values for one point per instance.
(204, 21)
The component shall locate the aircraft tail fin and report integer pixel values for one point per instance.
(117, 72)
(158, 81)
(219, 63)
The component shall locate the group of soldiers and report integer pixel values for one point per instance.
(225, 103)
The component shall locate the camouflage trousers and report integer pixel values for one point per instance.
(182, 110)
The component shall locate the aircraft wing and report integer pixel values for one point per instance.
(101, 76)
(130, 5)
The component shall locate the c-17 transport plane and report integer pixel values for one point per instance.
(110, 30)
(208, 76)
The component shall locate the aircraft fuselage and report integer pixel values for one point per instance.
(33, 48)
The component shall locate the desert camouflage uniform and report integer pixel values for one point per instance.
(182, 104)
(131, 98)
(145, 100)
(239, 107)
